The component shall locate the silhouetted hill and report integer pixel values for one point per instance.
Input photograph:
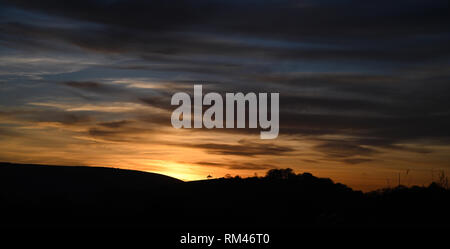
(37, 195)
(39, 184)
(77, 178)
(50, 194)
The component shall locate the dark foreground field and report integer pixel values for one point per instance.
(49, 196)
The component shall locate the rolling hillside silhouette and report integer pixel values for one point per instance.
(42, 196)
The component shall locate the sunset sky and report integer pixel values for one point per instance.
(364, 86)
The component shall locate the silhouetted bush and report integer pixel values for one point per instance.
(280, 174)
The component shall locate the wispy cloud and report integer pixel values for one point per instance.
(362, 84)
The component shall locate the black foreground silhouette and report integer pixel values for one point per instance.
(69, 196)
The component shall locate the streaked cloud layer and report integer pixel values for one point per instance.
(364, 86)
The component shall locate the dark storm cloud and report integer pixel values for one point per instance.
(115, 124)
(394, 128)
(243, 148)
(112, 133)
(350, 150)
(163, 47)
(340, 149)
(251, 166)
(310, 30)
(324, 18)
(357, 160)
(92, 86)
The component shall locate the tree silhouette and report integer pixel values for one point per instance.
(280, 174)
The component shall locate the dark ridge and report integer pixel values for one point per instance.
(79, 177)
(70, 196)
(78, 185)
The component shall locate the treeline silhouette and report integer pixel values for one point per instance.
(37, 195)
